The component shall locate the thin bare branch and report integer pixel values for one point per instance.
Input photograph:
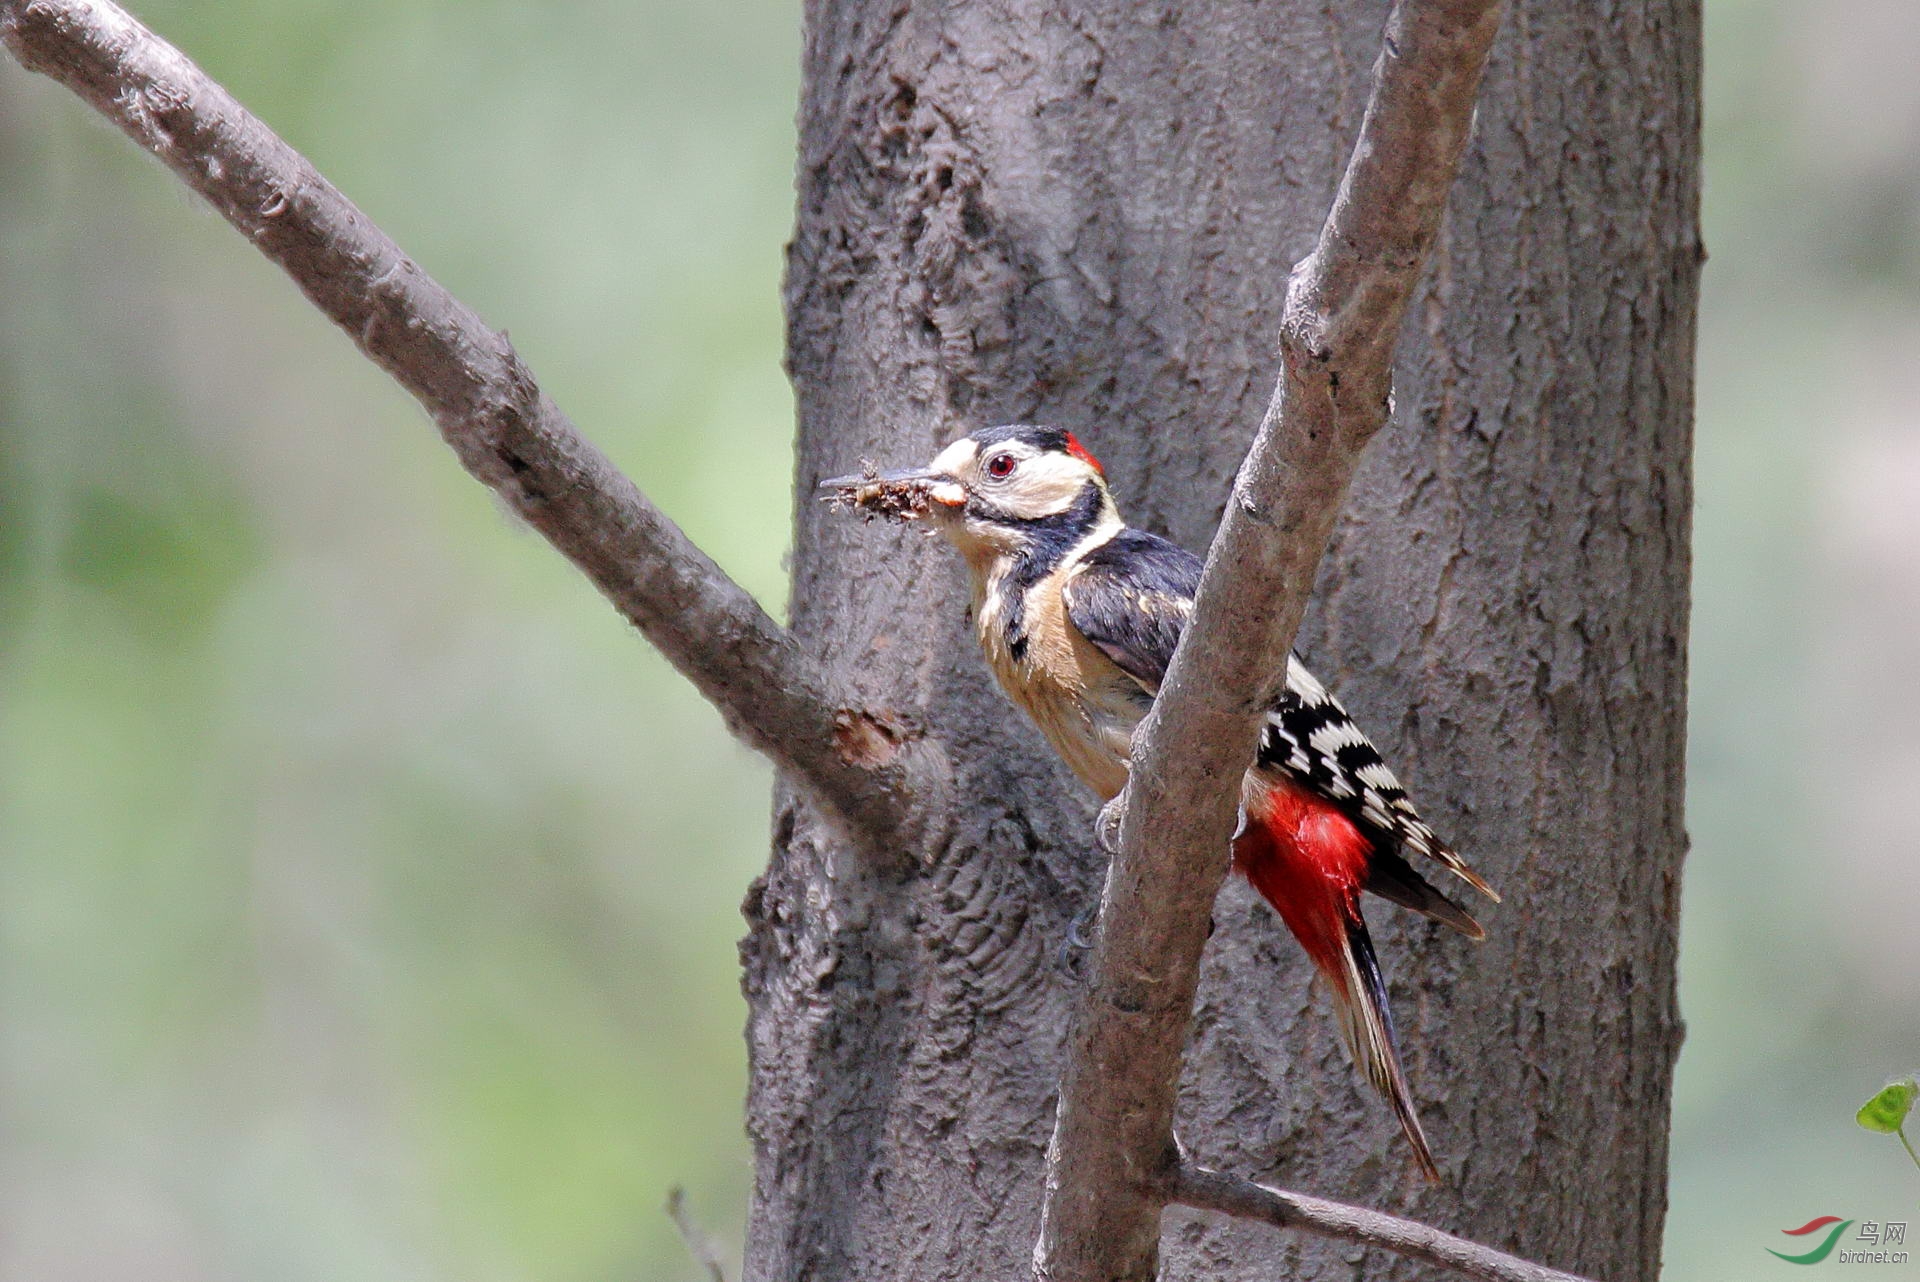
(503, 427)
(1230, 1195)
(1112, 1155)
(704, 1250)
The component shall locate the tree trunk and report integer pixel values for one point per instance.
(1011, 212)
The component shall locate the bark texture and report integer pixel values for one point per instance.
(1010, 212)
(1346, 304)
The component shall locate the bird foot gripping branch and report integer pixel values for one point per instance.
(1078, 616)
(1106, 824)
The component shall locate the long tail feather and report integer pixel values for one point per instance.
(1367, 1025)
(1311, 863)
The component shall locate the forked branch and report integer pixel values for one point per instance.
(506, 431)
(1112, 1170)
(1211, 1191)
(1112, 1163)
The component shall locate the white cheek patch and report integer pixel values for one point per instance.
(1049, 484)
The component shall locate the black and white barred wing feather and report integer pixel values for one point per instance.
(1310, 738)
(1131, 598)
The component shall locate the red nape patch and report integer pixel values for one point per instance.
(1309, 861)
(1079, 451)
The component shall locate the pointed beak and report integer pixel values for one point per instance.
(906, 476)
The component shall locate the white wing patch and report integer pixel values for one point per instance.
(1303, 683)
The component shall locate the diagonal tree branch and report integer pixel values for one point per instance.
(506, 431)
(1112, 1159)
(1211, 1191)
(1112, 1169)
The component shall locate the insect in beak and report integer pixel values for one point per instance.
(899, 496)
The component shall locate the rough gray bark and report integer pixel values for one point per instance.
(1009, 212)
(906, 1018)
(1113, 1150)
(873, 767)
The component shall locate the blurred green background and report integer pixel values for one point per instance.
(368, 893)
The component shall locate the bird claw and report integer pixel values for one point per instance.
(1077, 928)
(1106, 828)
(1076, 940)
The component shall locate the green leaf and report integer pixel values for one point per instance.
(1886, 1111)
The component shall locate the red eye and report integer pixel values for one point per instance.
(1000, 466)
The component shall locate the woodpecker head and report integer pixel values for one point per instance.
(1000, 491)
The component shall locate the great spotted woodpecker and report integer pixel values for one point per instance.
(1079, 615)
